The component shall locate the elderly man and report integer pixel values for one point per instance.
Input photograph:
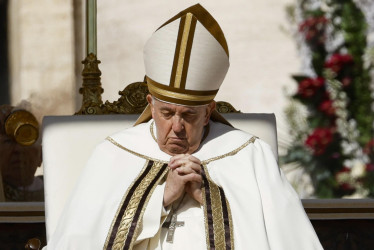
(183, 178)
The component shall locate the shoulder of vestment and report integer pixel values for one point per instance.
(221, 140)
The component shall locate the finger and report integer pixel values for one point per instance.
(176, 157)
(194, 159)
(188, 168)
(174, 173)
(173, 160)
(187, 160)
(193, 185)
(192, 177)
(183, 170)
(193, 189)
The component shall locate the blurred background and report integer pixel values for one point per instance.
(309, 62)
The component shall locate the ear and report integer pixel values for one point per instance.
(150, 103)
(210, 108)
(149, 99)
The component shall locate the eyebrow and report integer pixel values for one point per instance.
(188, 111)
(165, 109)
(191, 111)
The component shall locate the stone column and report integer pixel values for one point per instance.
(41, 52)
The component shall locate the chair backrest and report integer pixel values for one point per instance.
(69, 140)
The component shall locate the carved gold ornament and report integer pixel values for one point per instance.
(23, 127)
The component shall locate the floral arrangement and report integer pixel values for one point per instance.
(333, 140)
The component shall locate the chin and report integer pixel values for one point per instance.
(176, 149)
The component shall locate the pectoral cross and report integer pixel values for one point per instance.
(172, 225)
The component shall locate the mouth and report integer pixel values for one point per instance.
(177, 139)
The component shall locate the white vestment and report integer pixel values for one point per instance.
(266, 211)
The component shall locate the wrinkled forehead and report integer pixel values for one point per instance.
(178, 108)
(170, 104)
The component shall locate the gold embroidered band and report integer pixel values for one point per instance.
(180, 96)
(125, 226)
(233, 152)
(217, 214)
(110, 139)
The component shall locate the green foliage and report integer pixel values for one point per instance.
(331, 108)
(354, 29)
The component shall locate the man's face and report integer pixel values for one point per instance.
(179, 128)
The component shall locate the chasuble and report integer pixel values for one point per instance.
(248, 203)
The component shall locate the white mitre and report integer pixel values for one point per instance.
(186, 60)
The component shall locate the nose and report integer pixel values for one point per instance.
(177, 125)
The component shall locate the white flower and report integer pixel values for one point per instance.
(349, 163)
(358, 169)
(337, 20)
(342, 95)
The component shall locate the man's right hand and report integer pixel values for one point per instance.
(184, 169)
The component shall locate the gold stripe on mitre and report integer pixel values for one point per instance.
(183, 51)
(180, 96)
(207, 20)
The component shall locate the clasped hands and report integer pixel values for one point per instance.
(184, 177)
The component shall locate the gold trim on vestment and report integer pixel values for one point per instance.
(127, 219)
(119, 207)
(235, 151)
(231, 223)
(134, 202)
(203, 193)
(217, 215)
(133, 152)
(152, 131)
(219, 229)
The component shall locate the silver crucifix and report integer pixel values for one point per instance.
(172, 225)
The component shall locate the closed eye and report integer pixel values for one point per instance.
(166, 113)
(189, 116)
